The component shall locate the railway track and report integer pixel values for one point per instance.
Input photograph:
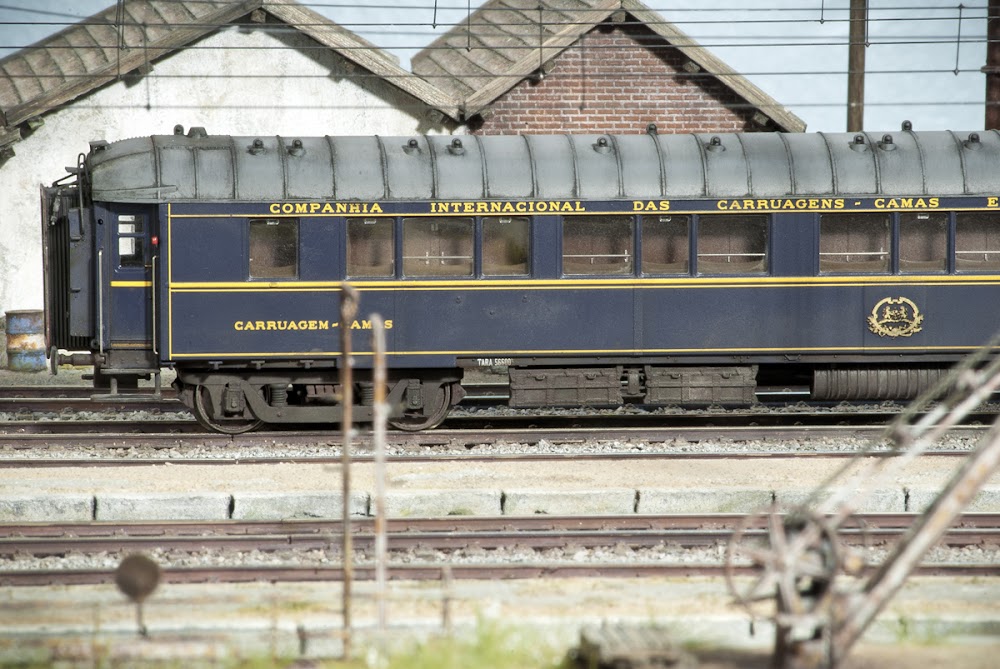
(293, 539)
(50, 410)
(40, 540)
(428, 456)
(126, 423)
(430, 572)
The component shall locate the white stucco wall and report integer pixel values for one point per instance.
(294, 89)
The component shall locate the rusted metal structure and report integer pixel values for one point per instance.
(818, 623)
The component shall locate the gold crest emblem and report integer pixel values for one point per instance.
(895, 317)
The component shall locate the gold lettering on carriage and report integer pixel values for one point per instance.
(907, 202)
(325, 208)
(508, 207)
(895, 317)
(650, 205)
(285, 326)
(782, 204)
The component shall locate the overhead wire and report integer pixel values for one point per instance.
(967, 13)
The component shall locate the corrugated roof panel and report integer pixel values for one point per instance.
(176, 166)
(640, 165)
(215, 173)
(596, 166)
(684, 171)
(124, 166)
(942, 162)
(900, 167)
(546, 166)
(309, 168)
(458, 167)
(507, 166)
(357, 168)
(767, 163)
(555, 166)
(811, 169)
(725, 166)
(259, 168)
(981, 160)
(410, 173)
(853, 164)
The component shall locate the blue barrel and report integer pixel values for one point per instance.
(26, 341)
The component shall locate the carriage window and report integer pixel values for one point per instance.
(923, 241)
(274, 248)
(598, 245)
(854, 243)
(370, 247)
(665, 244)
(732, 244)
(437, 246)
(977, 242)
(505, 246)
(130, 236)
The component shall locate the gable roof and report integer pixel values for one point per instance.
(508, 44)
(87, 55)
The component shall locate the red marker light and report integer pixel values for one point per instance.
(156, 240)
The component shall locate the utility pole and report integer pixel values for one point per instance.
(856, 66)
(992, 68)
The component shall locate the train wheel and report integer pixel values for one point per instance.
(437, 410)
(202, 406)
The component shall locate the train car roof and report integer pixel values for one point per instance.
(202, 167)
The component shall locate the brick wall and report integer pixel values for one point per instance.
(617, 79)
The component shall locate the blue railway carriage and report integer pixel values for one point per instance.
(598, 270)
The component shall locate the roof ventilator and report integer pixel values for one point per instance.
(178, 129)
(197, 132)
(98, 145)
(973, 143)
(715, 144)
(907, 126)
(651, 129)
(411, 147)
(296, 149)
(456, 148)
(602, 145)
(859, 144)
(886, 144)
(257, 147)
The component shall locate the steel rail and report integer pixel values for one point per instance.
(426, 572)
(418, 458)
(42, 540)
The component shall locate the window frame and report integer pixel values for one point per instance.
(473, 257)
(956, 220)
(890, 252)
(897, 242)
(689, 224)
(629, 255)
(766, 219)
(137, 236)
(295, 247)
(480, 246)
(394, 232)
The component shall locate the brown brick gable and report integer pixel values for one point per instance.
(611, 81)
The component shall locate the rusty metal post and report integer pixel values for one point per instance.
(992, 68)
(348, 308)
(856, 66)
(446, 597)
(919, 539)
(380, 417)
